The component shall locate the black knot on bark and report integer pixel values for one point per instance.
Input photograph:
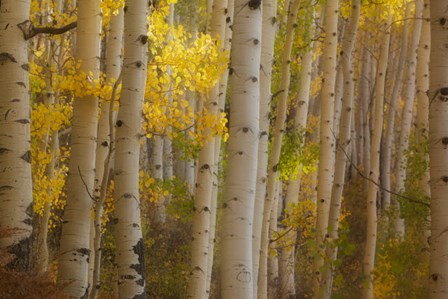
(445, 179)
(254, 4)
(143, 39)
(445, 140)
(444, 91)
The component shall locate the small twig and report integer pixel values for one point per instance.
(410, 199)
(85, 185)
(281, 235)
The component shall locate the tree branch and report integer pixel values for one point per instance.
(29, 30)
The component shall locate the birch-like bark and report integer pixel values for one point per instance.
(406, 119)
(273, 274)
(438, 145)
(327, 139)
(15, 157)
(269, 28)
(206, 180)
(54, 59)
(130, 258)
(104, 143)
(394, 99)
(287, 282)
(344, 143)
(422, 86)
(157, 174)
(74, 248)
(167, 143)
(364, 98)
(221, 103)
(274, 157)
(239, 196)
(372, 223)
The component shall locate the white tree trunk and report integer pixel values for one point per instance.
(327, 139)
(130, 258)
(15, 157)
(364, 98)
(273, 230)
(287, 282)
(344, 144)
(206, 181)
(406, 119)
(273, 159)
(422, 85)
(104, 146)
(269, 28)
(438, 144)
(370, 247)
(394, 99)
(157, 174)
(74, 249)
(221, 104)
(236, 265)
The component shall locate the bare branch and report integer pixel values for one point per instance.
(29, 30)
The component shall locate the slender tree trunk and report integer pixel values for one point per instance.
(406, 119)
(371, 236)
(344, 143)
(327, 139)
(269, 28)
(273, 230)
(236, 265)
(364, 98)
(438, 141)
(422, 84)
(221, 105)
(104, 143)
(130, 256)
(207, 179)
(157, 174)
(74, 248)
(287, 280)
(54, 60)
(394, 99)
(273, 159)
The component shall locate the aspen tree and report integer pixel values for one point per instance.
(327, 140)
(167, 143)
(74, 248)
(239, 194)
(221, 103)
(372, 223)
(206, 179)
(422, 86)
(364, 98)
(54, 59)
(287, 282)
(105, 140)
(406, 118)
(130, 257)
(273, 267)
(438, 141)
(269, 28)
(274, 157)
(15, 157)
(344, 143)
(157, 174)
(394, 99)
